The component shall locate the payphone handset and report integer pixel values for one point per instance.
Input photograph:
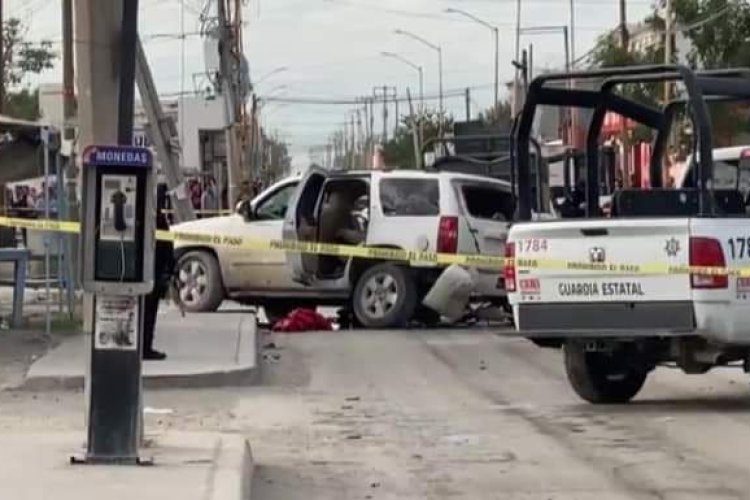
(117, 245)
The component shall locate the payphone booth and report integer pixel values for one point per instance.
(117, 265)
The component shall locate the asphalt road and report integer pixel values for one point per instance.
(448, 415)
(465, 414)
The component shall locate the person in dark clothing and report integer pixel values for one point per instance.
(163, 271)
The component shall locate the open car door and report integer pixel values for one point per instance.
(301, 224)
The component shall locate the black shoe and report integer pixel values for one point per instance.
(154, 355)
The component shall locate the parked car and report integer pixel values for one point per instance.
(412, 210)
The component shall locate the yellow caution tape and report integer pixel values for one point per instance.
(413, 256)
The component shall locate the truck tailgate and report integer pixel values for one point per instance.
(589, 274)
(722, 311)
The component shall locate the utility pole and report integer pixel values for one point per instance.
(624, 33)
(69, 112)
(351, 143)
(414, 134)
(228, 91)
(2, 60)
(162, 132)
(514, 102)
(468, 104)
(396, 110)
(385, 114)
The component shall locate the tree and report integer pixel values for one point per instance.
(499, 115)
(22, 58)
(399, 151)
(717, 30)
(23, 103)
(609, 52)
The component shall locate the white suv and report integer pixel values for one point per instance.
(400, 209)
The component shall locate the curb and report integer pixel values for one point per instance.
(231, 482)
(246, 371)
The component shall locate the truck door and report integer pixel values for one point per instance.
(300, 224)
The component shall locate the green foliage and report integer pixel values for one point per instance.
(721, 37)
(399, 151)
(23, 104)
(719, 40)
(279, 162)
(609, 53)
(499, 115)
(22, 57)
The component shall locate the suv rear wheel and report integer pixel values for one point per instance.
(199, 282)
(385, 296)
(604, 377)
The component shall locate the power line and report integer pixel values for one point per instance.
(349, 101)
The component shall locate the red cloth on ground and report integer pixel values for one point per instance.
(303, 320)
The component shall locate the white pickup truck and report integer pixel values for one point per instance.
(664, 280)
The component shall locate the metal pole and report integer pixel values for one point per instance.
(668, 46)
(421, 106)
(514, 101)
(385, 114)
(414, 134)
(129, 39)
(574, 112)
(47, 235)
(468, 104)
(442, 103)
(496, 32)
(396, 110)
(568, 112)
(71, 172)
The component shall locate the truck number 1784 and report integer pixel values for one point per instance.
(739, 248)
(533, 245)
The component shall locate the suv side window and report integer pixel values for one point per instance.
(275, 206)
(410, 197)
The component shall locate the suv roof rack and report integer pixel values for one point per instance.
(727, 83)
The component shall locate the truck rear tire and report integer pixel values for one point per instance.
(604, 377)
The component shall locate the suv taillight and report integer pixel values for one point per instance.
(509, 267)
(707, 252)
(447, 241)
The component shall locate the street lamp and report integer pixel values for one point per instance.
(496, 35)
(404, 60)
(439, 51)
(276, 71)
(277, 88)
(545, 30)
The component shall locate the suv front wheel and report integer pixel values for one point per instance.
(385, 296)
(199, 282)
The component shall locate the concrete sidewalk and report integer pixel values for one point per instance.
(204, 350)
(187, 466)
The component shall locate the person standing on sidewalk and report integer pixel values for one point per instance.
(163, 271)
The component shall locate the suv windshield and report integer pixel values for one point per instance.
(410, 197)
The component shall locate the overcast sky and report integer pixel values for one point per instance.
(332, 48)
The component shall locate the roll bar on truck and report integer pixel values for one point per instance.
(664, 280)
